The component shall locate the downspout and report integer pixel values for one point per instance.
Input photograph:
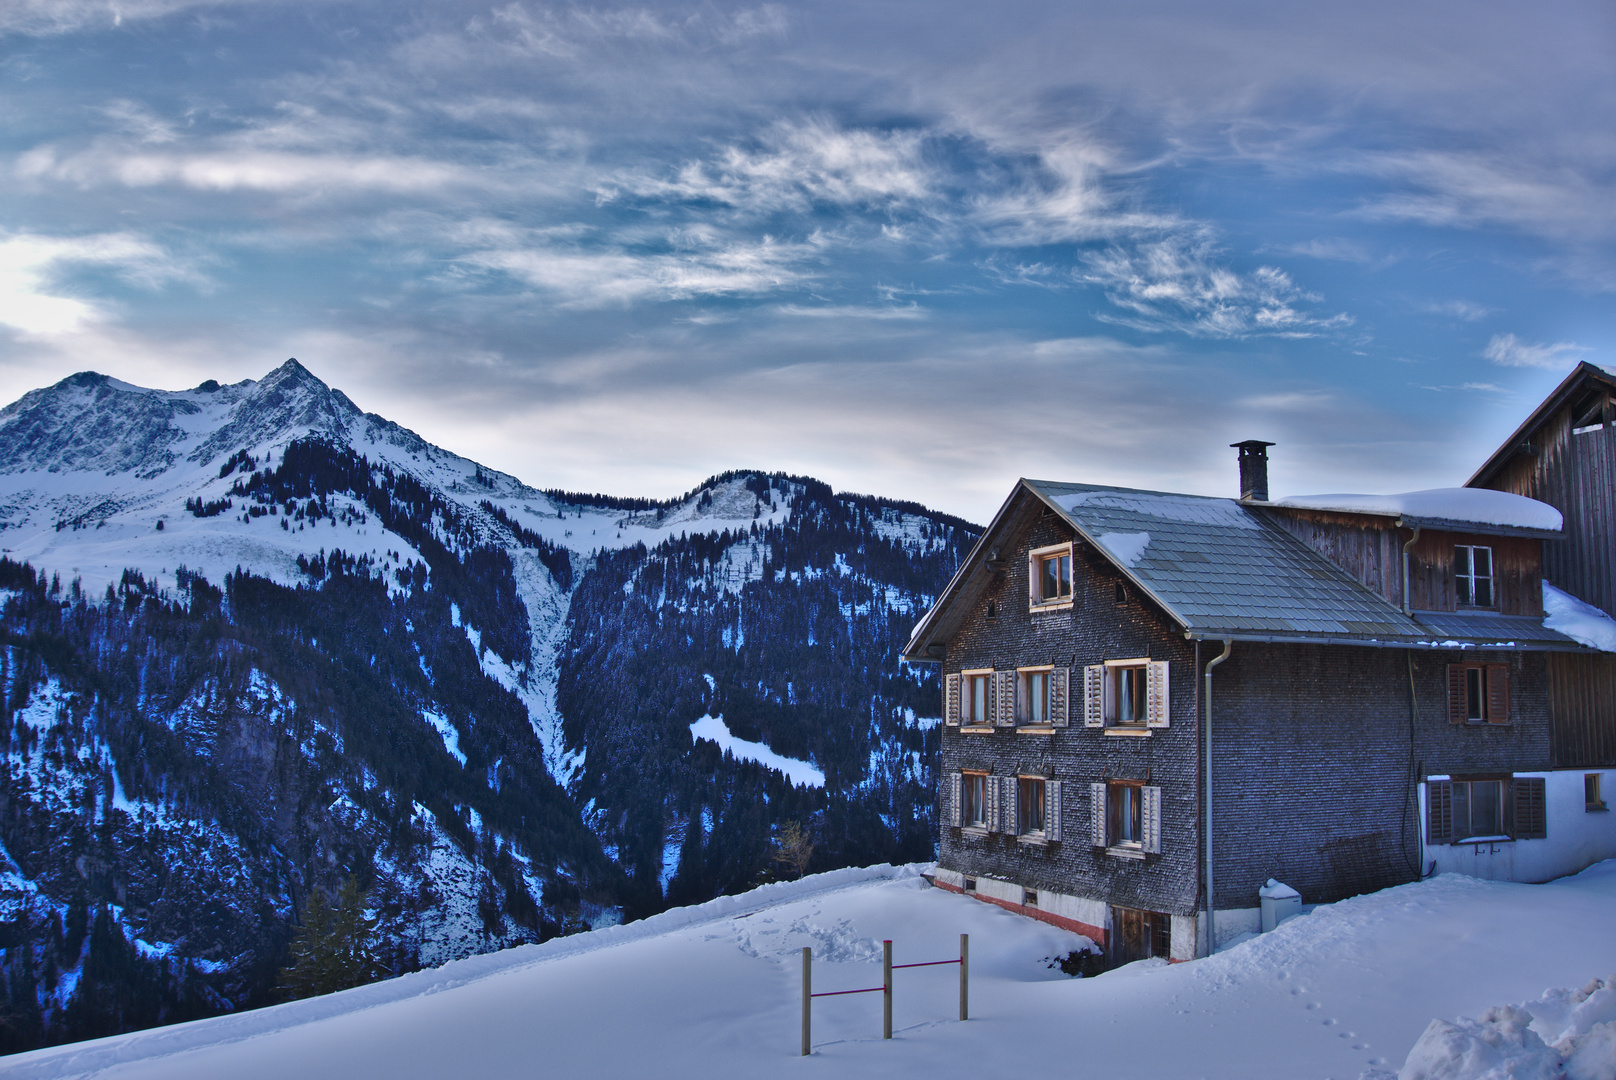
(1228, 647)
(1411, 542)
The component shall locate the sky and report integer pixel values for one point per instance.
(914, 250)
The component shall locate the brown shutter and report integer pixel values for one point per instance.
(1097, 830)
(1439, 812)
(1059, 681)
(1531, 817)
(1456, 694)
(1094, 695)
(1498, 693)
(1052, 810)
(1158, 712)
(1004, 696)
(951, 700)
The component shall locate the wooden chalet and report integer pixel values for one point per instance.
(1156, 702)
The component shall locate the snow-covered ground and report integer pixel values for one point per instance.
(712, 991)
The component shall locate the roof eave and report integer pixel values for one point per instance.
(1556, 398)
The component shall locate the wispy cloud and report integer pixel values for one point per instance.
(1562, 199)
(1507, 350)
(34, 301)
(1179, 284)
(1457, 309)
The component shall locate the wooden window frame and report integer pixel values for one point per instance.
(974, 796)
(1155, 690)
(1493, 706)
(1036, 600)
(967, 716)
(1592, 797)
(1522, 809)
(1146, 818)
(1491, 577)
(1025, 786)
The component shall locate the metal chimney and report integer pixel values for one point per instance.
(1253, 469)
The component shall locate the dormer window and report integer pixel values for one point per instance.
(1049, 571)
(1473, 575)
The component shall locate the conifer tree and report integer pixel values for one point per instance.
(333, 948)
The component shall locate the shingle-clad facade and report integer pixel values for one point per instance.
(1350, 733)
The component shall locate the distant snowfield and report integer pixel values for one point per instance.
(712, 991)
(715, 730)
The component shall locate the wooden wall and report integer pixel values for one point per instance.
(1582, 710)
(1370, 553)
(1517, 577)
(1576, 474)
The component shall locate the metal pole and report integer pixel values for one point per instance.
(886, 989)
(965, 975)
(807, 997)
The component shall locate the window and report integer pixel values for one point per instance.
(977, 704)
(1050, 576)
(1473, 574)
(1030, 805)
(1486, 808)
(1126, 694)
(1034, 697)
(1125, 818)
(1590, 792)
(975, 810)
(1478, 693)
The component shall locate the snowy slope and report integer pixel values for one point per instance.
(1344, 990)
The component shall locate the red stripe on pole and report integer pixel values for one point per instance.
(928, 963)
(834, 993)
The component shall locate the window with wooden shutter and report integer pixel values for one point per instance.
(1150, 820)
(1458, 706)
(993, 804)
(1158, 706)
(1004, 698)
(1059, 680)
(956, 799)
(1052, 810)
(1097, 815)
(1009, 803)
(1498, 693)
(1094, 681)
(951, 700)
(1531, 814)
(1439, 812)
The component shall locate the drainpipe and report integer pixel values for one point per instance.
(1411, 542)
(1228, 647)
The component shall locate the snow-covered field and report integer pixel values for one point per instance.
(713, 991)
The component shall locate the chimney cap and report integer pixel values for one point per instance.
(1252, 443)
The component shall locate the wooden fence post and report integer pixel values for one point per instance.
(965, 975)
(807, 998)
(886, 989)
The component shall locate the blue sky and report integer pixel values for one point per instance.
(912, 249)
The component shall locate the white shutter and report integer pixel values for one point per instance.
(1005, 697)
(951, 700)
(1150, 820)
(1052, 810)
(956, 802)
(1094, 695)
(1059, 680)
(1097, 815)
(1012, 805)
(1158, 703)
(992, 793)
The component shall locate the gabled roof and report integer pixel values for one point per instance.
(1221, 569)
(1582, 376)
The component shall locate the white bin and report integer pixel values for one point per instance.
(1279, 902)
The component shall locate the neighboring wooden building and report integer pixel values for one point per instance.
(1380, 678)
(1565, 455)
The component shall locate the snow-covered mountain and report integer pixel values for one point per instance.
(256, 640)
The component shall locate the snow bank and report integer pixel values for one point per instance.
(1577, 620)
(1480, 506)
(1568, 1034)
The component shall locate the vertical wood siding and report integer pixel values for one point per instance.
(1582, 710)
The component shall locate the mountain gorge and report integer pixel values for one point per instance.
(255, 641)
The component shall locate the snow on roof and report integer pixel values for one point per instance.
(1578, 621)
(1480, 506)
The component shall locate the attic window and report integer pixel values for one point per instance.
(1122, 593)
(1473, 575)
(1049, 576)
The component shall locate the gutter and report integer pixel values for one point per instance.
(1211, 938)
(1411, 542)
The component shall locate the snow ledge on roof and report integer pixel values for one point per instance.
(1481, 506)
(1582, 623)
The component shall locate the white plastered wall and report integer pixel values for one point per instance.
(1577, 838)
